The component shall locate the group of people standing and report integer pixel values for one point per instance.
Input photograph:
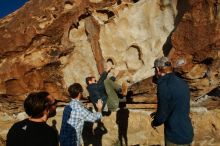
(172, 111)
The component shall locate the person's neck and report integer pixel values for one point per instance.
(42, 119)
(78, 98)
(163, 74)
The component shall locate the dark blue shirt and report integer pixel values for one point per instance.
(97, 90)
(68, 136)
(173, 109)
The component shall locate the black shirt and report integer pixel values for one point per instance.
(29, 133)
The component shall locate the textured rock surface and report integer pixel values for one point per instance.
(49, 45)
(206, 127)
(193, 47)
(196, 48)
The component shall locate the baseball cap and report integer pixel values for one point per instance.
(162, 62)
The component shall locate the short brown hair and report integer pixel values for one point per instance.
(36, 103)
(89, 79)
(75, 89)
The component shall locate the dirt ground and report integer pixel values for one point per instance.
(135, 126)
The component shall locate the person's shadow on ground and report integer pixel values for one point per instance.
(91, 136)
(99, 131)
(87, 133)
(54, 123)
(122, 121)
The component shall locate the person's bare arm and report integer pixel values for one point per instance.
(108, 69)
(99, 105)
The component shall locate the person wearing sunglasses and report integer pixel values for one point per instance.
(173, 105)
(34, 131)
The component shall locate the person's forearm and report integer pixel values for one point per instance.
(94, 117)
(99, 110)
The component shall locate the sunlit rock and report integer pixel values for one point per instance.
(50, 45)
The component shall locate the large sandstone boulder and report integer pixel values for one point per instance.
(193, 47)
(49, 45)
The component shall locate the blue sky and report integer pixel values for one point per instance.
(9, 6)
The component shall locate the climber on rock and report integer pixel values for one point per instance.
(105, 89)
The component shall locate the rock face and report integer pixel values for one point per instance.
(196, 46)
(49, 45)
(193, 47)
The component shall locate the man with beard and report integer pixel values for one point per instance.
(173, 105)
(34, 131)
